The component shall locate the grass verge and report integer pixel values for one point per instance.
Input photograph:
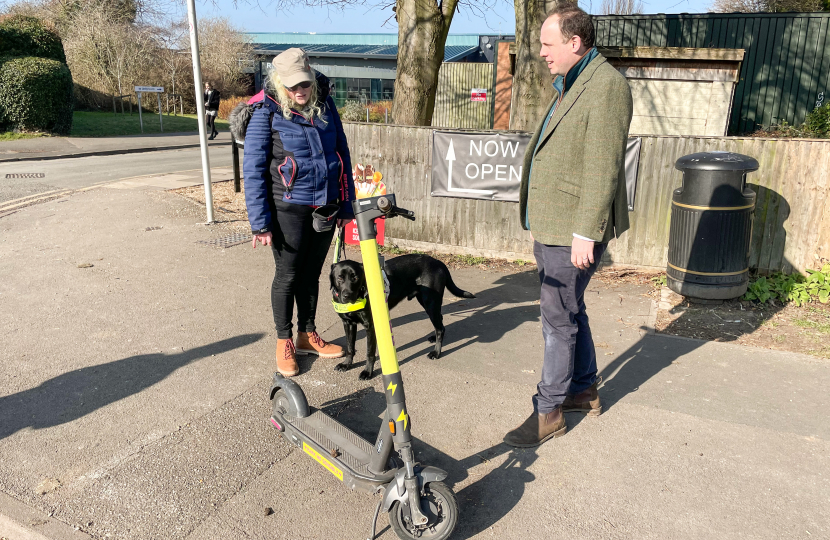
(12, 136)
(106, 124)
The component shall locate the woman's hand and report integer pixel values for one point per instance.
(265, 238)
(342, 222)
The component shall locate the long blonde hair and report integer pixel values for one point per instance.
(310, 110)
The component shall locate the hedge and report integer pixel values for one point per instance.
(27, 36)
(36, 94)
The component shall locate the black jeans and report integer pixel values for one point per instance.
(570, 364)
(299, 253)
(211, 123)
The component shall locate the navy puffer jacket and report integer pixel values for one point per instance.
(297, 161)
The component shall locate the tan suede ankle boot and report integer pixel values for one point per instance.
(312, 343)
(286, 359)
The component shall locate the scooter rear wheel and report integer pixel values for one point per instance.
(438, 504)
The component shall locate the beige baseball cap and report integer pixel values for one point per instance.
(292, 67)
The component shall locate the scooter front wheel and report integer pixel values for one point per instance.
(438, 504)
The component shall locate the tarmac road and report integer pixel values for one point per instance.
(79, 173)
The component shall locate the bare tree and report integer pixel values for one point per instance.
(423, 26)
(105, 51)
(170, 40)
(532, 90)
(224, 52)
(621, 7)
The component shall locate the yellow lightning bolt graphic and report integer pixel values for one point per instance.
(393, 387)
(403, 417)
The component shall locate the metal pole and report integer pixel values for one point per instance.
(140, 121)
(367, 114)
(158, 98)
(235, 155)
(387, 116)
(200, 106)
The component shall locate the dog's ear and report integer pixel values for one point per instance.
(331, 278)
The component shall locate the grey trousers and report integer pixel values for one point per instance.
(570, 364)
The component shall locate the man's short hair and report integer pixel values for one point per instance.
(573, 21)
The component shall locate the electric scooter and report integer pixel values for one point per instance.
(420, 505)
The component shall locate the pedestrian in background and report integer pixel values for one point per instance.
(298, 177)
(212, 100)
(573, 201)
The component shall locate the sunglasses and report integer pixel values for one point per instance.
(303, 85)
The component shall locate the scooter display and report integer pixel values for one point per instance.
(419, 504)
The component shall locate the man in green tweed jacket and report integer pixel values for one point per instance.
(573, 201)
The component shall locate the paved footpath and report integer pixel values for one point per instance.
(133, 401)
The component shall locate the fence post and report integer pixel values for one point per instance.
(140, 121)
(113, 104)
(387, 116)
(158, 100)
(235, 161)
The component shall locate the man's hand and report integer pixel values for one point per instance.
(342, 222)
(264, 238)
(582, 253)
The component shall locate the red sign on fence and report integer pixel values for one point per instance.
(478, 94)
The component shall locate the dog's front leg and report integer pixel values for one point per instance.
(351, 335)
(371, 353)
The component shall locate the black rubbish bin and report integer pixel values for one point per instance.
(711, 226)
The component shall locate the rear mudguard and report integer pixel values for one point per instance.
(396, 491)
(297, 403)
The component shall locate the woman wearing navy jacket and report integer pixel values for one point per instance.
(296, 166)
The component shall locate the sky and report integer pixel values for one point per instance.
(250, 16)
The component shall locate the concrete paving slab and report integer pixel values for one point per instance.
(136, 365)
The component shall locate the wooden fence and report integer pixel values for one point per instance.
(792, 216)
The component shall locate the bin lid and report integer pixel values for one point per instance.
(716, 161)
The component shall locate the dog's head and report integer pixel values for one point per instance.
(348, 282)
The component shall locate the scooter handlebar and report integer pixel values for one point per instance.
(404, 213)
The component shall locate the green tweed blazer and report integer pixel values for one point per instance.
(577, 180)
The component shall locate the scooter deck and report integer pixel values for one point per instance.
(338, 443)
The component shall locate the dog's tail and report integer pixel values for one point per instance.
(460, 293)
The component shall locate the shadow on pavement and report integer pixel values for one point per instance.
(651, 354)
(77, 393)
(482, 503)
(483, 319)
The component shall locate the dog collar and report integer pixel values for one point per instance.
(340, 307)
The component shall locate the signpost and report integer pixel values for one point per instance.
(200, 106)
(157, 90)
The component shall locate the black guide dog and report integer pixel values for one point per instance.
(410, 276)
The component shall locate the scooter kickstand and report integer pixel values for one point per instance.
(375, 519)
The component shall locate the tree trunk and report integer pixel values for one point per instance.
(423, 26)
(532, 90)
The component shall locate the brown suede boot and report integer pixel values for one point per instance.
(286, 360)
(537, 429)
(586, 401)
(312, 343)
